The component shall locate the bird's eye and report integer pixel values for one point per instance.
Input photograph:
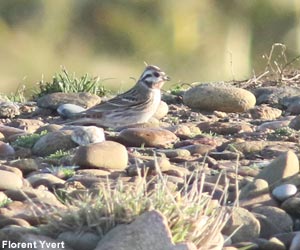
(156, 74)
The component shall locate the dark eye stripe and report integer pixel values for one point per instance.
(146, 76)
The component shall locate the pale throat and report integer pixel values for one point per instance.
(156, 97)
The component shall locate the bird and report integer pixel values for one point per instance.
(135, 106)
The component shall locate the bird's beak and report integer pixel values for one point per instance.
(166, 78)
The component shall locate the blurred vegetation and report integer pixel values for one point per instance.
(64, 82)
(191, 40)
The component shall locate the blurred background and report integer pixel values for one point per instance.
(191, 40)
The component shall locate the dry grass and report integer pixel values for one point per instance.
(192, 214)
(279, 70)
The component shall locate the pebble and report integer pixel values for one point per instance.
(295, 245)
(149, 137)
(6, 150)
(28, 125)
(149, 166)
(284, 166)
(284, 191)
(292, 206)
(181, 130)
(10, 180)
(148, 229)
(199, 148)
(275, 218)
(249, 226)
(107, 155)
(12, 169)
(273, 125)
(294, 123)
(49, 128)
(54, 100)
(220, 97)
(54, 141)
(26, 165)
(10, 131)
(48, 180)
(254, 188)
(67, 110)
(225, 128)
(162, 110)
(84, 135)
(93, 172)
(276, 95)
(264, 112)
(271, 244)
(294, 108)
(79, 240)
(172, 153)
(38, 194)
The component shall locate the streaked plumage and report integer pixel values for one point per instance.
(135, 106)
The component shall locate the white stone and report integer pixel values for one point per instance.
(284, 191)
(68, 109)
(84, 135)
(295, 245)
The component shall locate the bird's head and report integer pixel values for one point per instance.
(153, 77)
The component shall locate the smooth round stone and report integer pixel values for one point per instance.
(85, 135)
(149, 137)
(108, 155)
(53, 141)
(10, 180)
(284, 191)
(79, 240)
(54, 100)
(265, 112)
(28, 125)
(162, 110)
(295, 242)
(220, 97)
(45, 179)
(6, 150)
(281, 168)
(68, 110)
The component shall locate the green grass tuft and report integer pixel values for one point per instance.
(27, 141)
(57, 155)
(64, 82)
(18, 96)
(284, 131)
(178, 89)
(5, 202)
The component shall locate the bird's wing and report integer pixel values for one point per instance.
(125, 100)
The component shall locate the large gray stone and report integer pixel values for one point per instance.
(54, 100)
(54, 141)
(249, 227)
(149, 231)
(284, 166)
(219, 96)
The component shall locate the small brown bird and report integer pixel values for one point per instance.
(135, 106)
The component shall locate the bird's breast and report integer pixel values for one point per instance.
(156, 99)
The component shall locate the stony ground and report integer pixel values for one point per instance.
(244, 141)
